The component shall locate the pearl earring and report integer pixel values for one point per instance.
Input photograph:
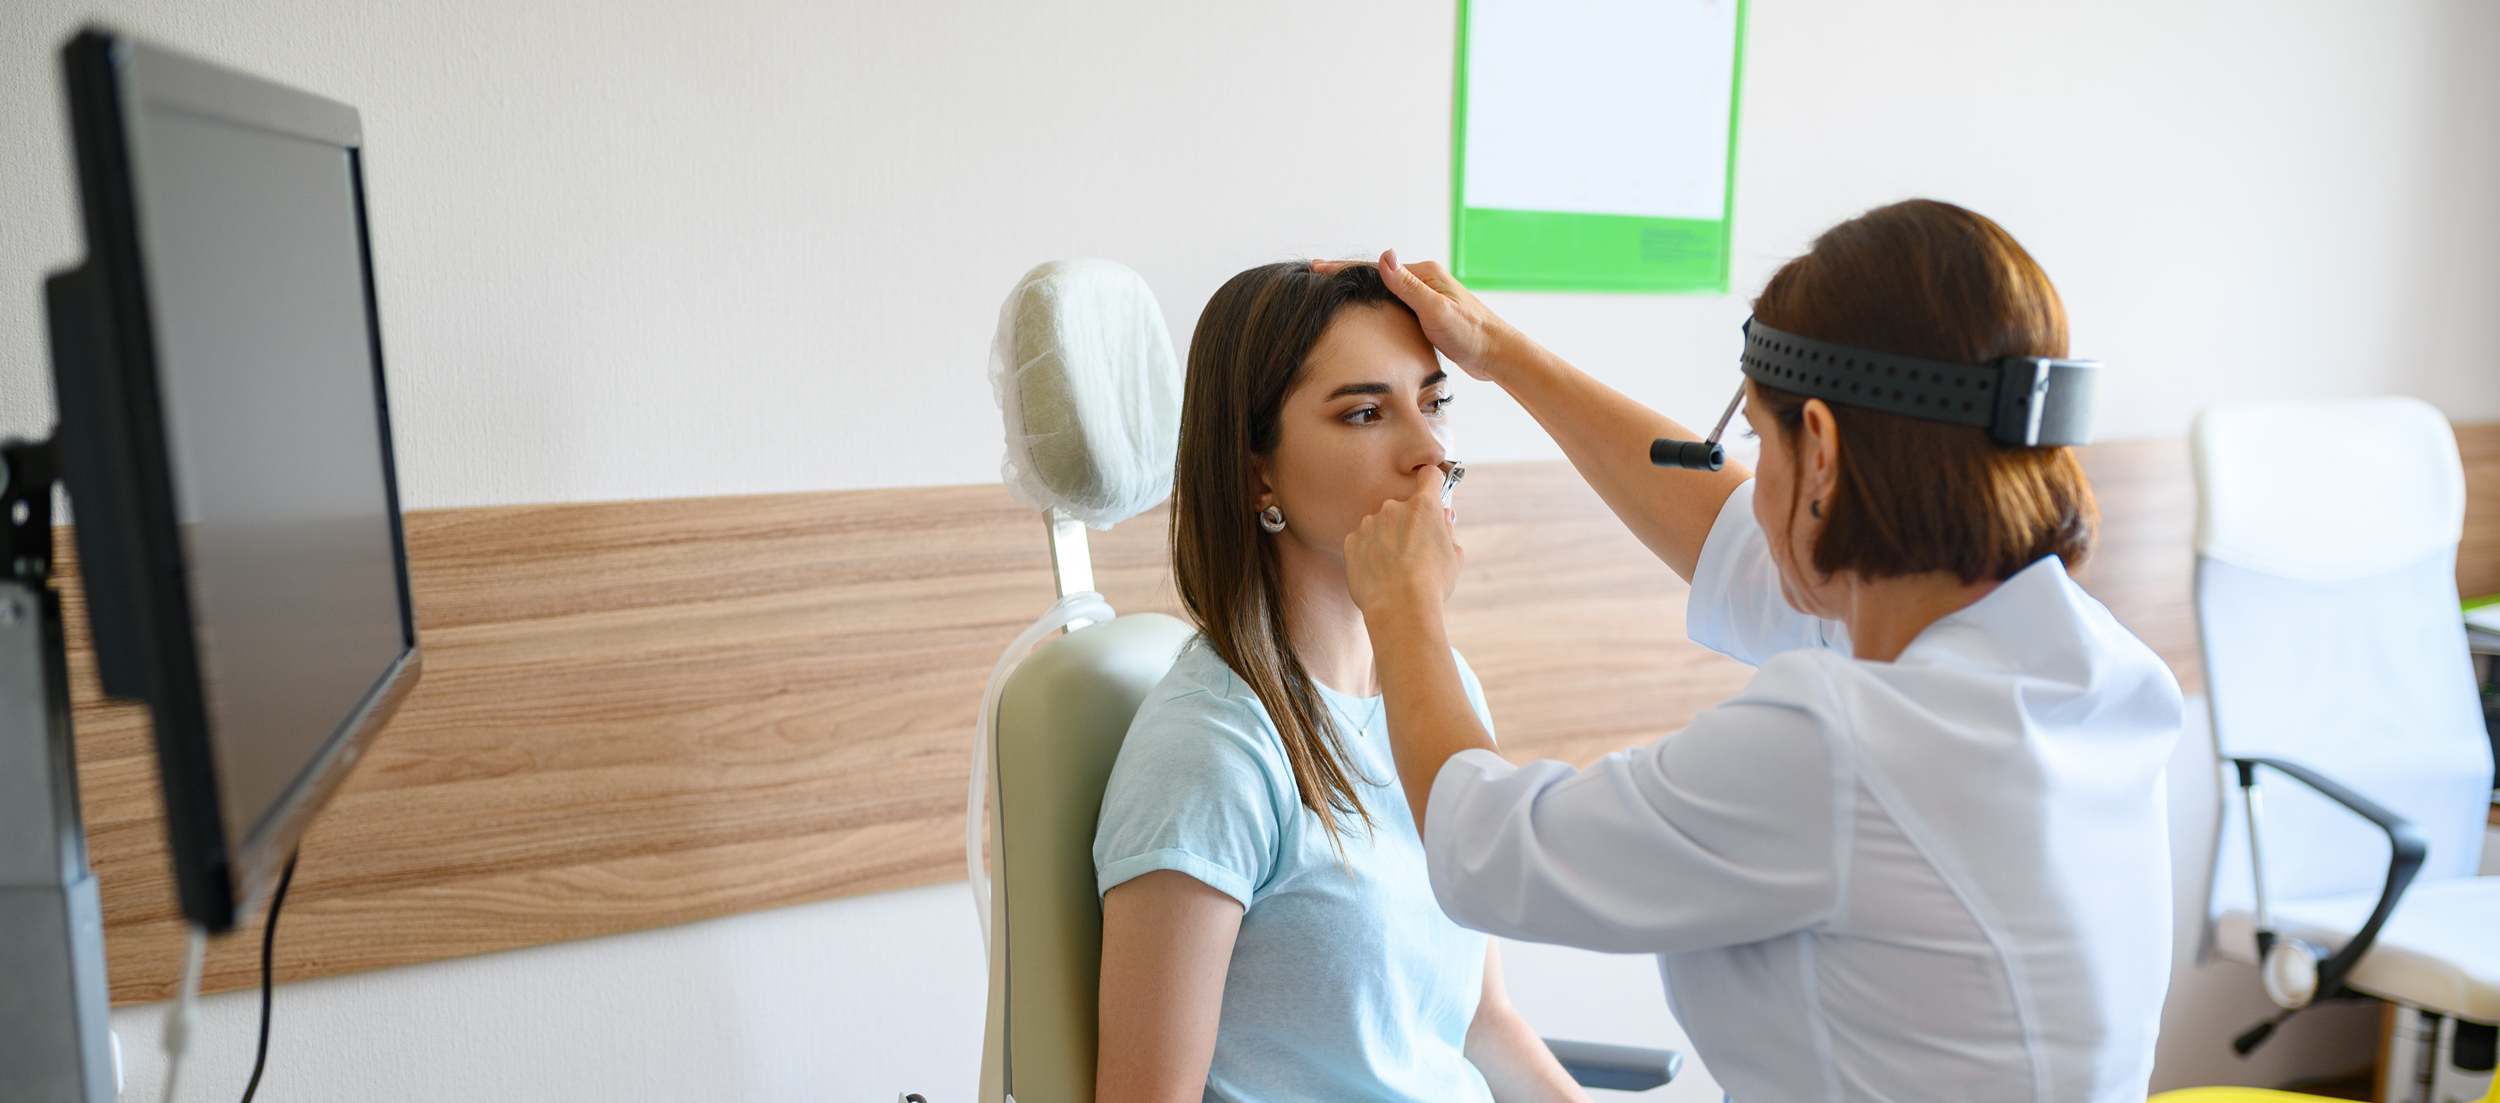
(1272, 519)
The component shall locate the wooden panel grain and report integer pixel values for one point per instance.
(2143, 563)
(2144, 566)
(644, 713)
(633, 714)
(2478, 554)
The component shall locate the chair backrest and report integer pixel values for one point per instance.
(2327, 609)
(1061, 719)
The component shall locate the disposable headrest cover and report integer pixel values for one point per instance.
(2326, 491)
(1083, 371)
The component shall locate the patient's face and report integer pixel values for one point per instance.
(1368, 414)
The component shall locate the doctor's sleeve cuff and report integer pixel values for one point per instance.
(1214, 876)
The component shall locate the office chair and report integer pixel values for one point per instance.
(1083, 370)
(2346, 714)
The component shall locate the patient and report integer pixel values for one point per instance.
(1268, 930)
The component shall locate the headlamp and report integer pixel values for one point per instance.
(2022, 401)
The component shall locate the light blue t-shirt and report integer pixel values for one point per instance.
(1347, 981)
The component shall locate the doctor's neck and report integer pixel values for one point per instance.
(1884, 615)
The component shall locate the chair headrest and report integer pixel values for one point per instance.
(1083, 371)
(2326, 491)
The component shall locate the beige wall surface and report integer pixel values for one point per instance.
(766, 240)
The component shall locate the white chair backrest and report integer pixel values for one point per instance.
(2327, 610)
(1061, 719)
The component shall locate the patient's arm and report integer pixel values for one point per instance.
(1167, 939)
(1514, 1061)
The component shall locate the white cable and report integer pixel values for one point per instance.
(178, 1025)
(1084, 605)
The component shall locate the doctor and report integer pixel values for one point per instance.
(1923, 854)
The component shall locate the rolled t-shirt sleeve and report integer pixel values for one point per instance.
(1194, 791)
(1736, 608)
(1726, 832)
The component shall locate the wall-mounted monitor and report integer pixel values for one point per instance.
(227, 447)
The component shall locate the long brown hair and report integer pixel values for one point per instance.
(1938, 282)
(1245, 357)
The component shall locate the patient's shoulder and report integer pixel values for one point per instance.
(1202, 710)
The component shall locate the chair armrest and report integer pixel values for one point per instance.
(1619, 1068)
(2404, 859)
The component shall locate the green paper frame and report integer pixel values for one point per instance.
(1509, 250)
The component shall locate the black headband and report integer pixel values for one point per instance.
(2027, 401)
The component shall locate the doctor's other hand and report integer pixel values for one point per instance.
(1459, 324)
(1406, 554)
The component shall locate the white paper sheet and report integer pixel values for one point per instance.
(1600, 106)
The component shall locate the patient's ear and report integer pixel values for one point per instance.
(1262, 495)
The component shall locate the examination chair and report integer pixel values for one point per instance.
(2349, 726)
(1084, 374)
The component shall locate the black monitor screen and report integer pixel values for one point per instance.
(241, 414)
(266, 375)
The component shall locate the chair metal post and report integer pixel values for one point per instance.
(1071, 560)
(2405, 851)
(2256, 856)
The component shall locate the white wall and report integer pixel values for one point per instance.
(766, 240)
(637, 249)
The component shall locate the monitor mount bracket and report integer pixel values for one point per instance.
(56, 1034)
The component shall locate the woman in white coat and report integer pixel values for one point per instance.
(1922, 855)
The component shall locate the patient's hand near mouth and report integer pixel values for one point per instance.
(1268, 929)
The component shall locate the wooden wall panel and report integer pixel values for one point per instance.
(643, 713)
(2478, 555)
(632, 714)
(2144, 561)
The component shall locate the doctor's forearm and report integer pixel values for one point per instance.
(1606, 435)
(1430, 718)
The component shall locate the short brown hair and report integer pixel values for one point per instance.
(1938, 282)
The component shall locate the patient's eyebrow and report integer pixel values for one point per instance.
(1430, 381)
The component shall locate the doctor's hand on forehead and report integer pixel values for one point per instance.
(1460, 325)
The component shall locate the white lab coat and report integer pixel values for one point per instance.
(1944, 877)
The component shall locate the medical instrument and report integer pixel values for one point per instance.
(2022, 401)
(1701, 455)
(1449, 482)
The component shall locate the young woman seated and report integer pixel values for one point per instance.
(1269, 933)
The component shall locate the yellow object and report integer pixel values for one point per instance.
(2230, 1095)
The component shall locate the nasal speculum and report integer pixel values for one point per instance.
(1449, 482)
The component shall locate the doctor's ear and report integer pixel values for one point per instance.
(1818, 450)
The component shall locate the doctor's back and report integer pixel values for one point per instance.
(2001, 886)
(1942, 875)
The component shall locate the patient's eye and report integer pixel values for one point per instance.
(1439, 403)
(1362, 415)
